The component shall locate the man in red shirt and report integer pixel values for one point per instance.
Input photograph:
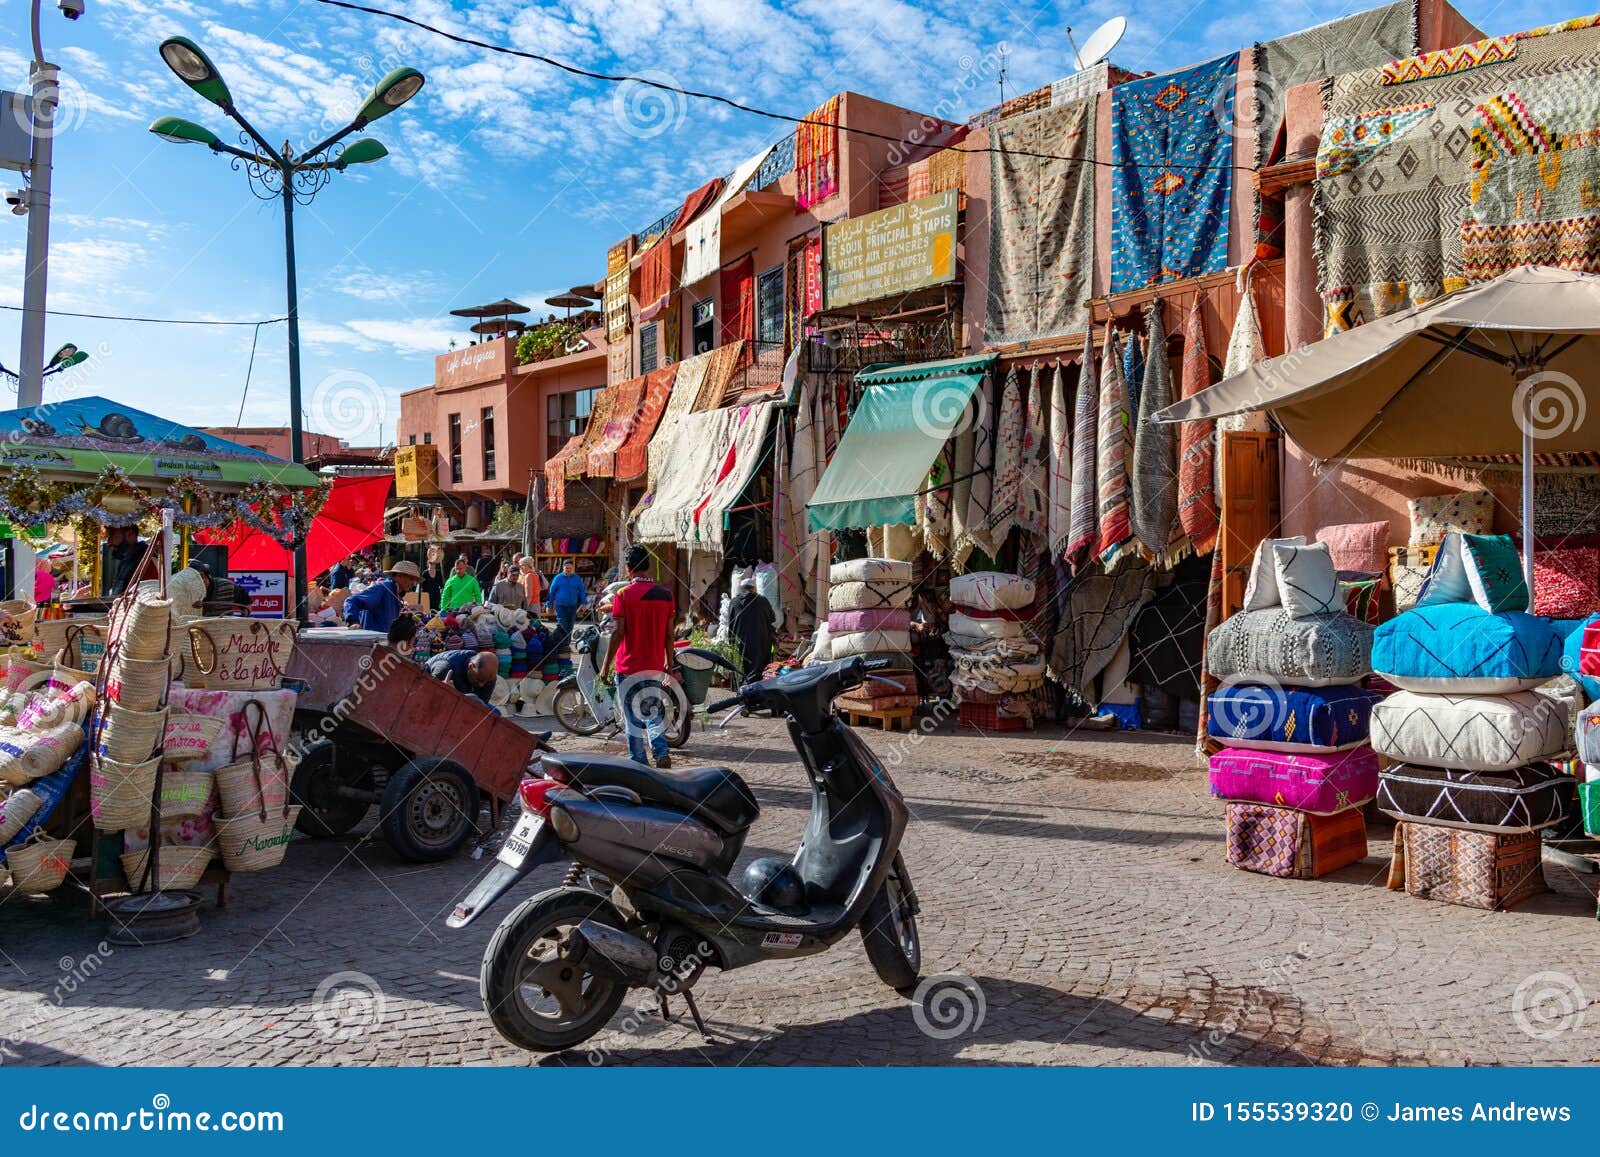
(641, 640)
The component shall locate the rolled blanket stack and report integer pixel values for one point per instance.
(869, 612)
(1473, 747)
(999, 664)
(1293, 719)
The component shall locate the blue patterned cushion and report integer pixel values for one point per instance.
(1462, 649)
(1264, 717)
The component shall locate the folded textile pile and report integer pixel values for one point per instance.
(998, 661)
(1295, 766)
(1473, 747)
(869, 612)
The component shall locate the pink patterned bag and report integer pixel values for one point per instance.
(1319, 783)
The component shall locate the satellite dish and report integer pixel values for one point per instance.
(1100, 43)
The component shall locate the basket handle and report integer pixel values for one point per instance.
(196, 633)
(256, 727)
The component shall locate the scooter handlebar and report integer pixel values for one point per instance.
(724, 704)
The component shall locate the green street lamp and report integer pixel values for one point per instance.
(280, 173)
(63, 359)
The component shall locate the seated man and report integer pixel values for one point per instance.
(469, 672)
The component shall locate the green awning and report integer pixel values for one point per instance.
(905, 418)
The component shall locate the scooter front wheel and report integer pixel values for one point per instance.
(889, 932)
(572, 710)
(537, 993)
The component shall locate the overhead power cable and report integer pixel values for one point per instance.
(149, 320)
(753, 110)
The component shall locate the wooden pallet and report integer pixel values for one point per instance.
(895, 719)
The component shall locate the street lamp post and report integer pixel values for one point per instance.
(283, 175)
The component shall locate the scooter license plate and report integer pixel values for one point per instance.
(519, 844)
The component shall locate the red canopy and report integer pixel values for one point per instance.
(352, 520)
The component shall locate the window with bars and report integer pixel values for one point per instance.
(487, 430)
(455, 447)
(649, 347)
(769, 306)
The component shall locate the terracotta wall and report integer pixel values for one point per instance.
(1362, 491)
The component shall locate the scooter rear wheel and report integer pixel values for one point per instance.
(536, 996)
(572, 709)
(889, 933)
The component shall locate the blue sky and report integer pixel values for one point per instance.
(505, 177)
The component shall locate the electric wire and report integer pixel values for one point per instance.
(663, 86)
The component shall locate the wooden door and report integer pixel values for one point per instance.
(1250, 505)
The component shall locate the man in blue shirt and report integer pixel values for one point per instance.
(564, 596)
(469, 672)
(376, 607)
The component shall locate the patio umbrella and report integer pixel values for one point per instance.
(1500, 368)
(351, 520)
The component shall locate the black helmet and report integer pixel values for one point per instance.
(775, 883)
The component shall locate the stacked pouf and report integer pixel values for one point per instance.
(999, 664)
(1470, 782)
(869, 610)
(1293, 720)
(869, 615)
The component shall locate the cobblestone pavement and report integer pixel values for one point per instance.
(1078, 882)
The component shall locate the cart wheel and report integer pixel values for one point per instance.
(323, 813)
(429, 809)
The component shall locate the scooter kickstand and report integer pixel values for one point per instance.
(694, 1011)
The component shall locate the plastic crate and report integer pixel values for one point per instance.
(987, 717)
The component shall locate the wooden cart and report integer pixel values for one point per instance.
(374, 728)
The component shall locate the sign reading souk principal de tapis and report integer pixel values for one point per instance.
(890, 252)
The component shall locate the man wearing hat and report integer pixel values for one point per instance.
(377, 606)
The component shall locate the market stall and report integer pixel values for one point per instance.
(172, 768)
(1483, 668)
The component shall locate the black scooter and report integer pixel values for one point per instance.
(649, 902)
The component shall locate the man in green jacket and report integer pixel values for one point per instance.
(461, 588)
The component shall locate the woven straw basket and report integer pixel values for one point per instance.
(81, 652)
(15, 811)
(50, 635)
(22, 620)
(234, 654)
(258, 841)
(29, 755)
(137, 683)
(190, 737)
(142, 626)
(259, 783)
(39, 864)
(184, 794)
(120, 793)
(177, 868)
(130, 736)
(28, 675)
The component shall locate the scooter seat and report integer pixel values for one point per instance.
(714, 794)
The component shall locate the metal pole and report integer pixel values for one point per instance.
(30, 384)
(1527, 491)
(296, 451)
